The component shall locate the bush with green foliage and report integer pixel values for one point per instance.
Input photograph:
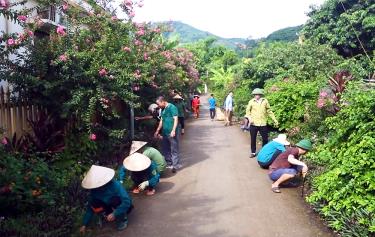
(346, 187)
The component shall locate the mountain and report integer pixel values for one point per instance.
(189, 34)
(286, 34)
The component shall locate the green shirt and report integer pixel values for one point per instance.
(258, 111)
(156, 157)
(167, 118)
(181, 108)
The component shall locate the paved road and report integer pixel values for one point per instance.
(220, 192)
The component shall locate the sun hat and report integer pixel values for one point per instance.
(136, 145)
(282, 140)
(257, 91)
(97, 176)
(305, 144)
(137, 162)
(177, 97)
(152, 107)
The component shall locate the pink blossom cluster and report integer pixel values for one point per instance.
(92, 137)
(21, 37)
(136, 88)
(103, 72)
(126, 49)
(65, 6)
(22, 18)
(167, 54)
(4, 4)
(61, 31)
(63, 57)
(146, 57)
(4, 141)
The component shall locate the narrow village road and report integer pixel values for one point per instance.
(220, 192)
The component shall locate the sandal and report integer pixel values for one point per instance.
(276, 190)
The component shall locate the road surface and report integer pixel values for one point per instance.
(219, 192)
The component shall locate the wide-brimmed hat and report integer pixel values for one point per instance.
(97, 176)
(137, 162)
(257, 91)
(136, 145)
(152, 107)
(305, 144)
(177, 97)
(282, 140)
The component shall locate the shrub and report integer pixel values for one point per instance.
(346, 187)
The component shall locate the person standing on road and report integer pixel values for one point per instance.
(212, 104)
(169, 127)
(258, 109)
(287, 164)
(181, 107)
(228, 106)
(195, 105)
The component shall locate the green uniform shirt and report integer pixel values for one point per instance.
(167, 117)
(181, 108)
(258, 112)
(156, 157)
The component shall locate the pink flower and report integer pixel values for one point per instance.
(22, 18)
(65, 6)
(128, 3)
(320, 103)
(61, 31)
(136, 88)
(114, 18)
(137, 42)
(4, 3)
(140, 4)
(157, 30)
(92, 137)
(323, 94)
(102, 72)
(4, 141)
(11, 42)
(30, 33)
(126, 49)
(63, 58)
(146, 57)
(140, 32)
(131, 14)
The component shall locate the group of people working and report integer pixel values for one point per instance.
(108, 199)
(277, 156)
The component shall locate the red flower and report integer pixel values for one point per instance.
(92, 137)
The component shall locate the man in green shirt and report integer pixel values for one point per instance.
(168, 127)
(258, 110)
(181, 107)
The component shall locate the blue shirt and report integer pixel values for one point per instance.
(212, 103)
(265, 154)
(105, 193)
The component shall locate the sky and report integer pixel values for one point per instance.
(229, 18)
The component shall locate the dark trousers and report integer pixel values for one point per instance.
(212, 113)
(253, 136)
(181, 121)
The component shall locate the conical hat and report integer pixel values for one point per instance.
(177, 97)
(137, 162)
(282, 140)
(136, 145)
(97, 176)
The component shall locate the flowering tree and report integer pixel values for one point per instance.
(92, 70)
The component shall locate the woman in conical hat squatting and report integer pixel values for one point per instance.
(142, 171)
(107, 197)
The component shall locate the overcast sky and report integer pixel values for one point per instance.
(229, 18)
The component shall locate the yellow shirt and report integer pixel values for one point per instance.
(258, 111)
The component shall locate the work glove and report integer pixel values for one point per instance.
(143, 185)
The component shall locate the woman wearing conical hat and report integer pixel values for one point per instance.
(143, 173)
(107, 197)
